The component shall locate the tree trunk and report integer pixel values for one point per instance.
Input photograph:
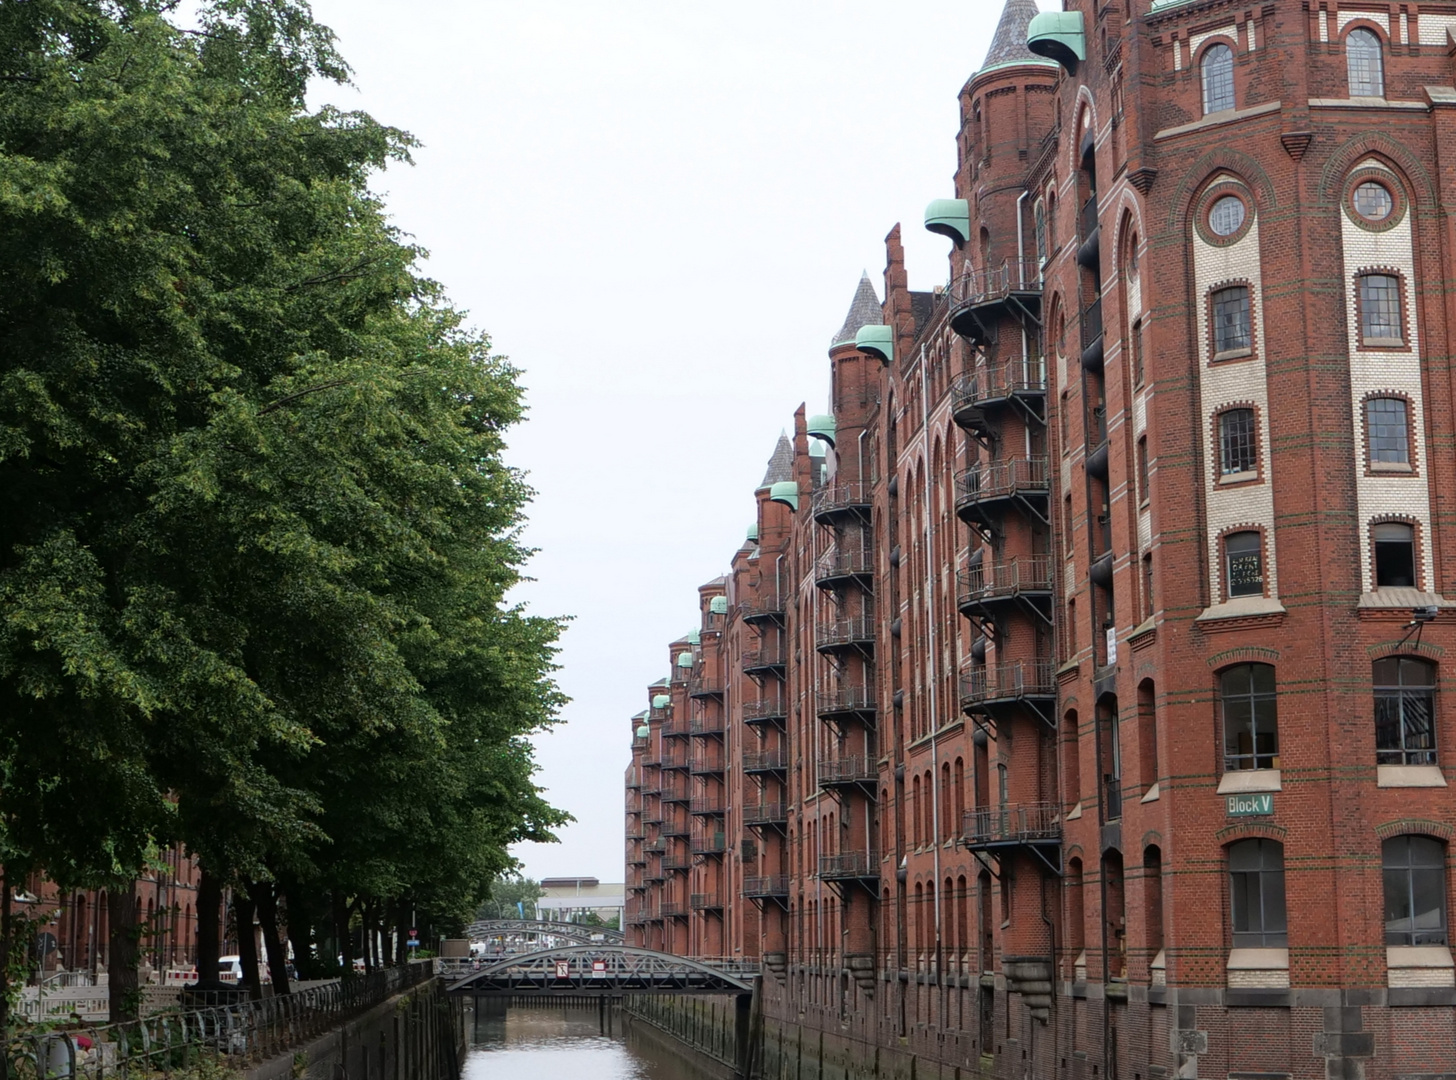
(243, 908)
(300, 922)
(5, 950)
(346, 940)
(401, 932)
(266, 898)
(123, 987)
(366, 934)
(209, 919)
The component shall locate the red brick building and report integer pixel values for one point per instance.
(1077, 705)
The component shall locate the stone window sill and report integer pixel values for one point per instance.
(1420, 965)
(1246, 780)
(1241, 608)
(1393, 467)
(1409, 776)
(1401, 597)
(1258, 969)
(1232, 354)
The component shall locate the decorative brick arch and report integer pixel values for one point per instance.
(1205, 171)
(1404, 648)
(1396, 157)
(1245, 654)
(1415, 827)
(1076, 852)
(1246, 830)
(1153, 838)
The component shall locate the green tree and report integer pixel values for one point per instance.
(508, 891)
(255, 531)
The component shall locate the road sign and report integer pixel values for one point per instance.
(412, 944)
(414, 933)
(563, 969)
(599, 969)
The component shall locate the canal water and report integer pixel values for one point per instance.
(531, 1043)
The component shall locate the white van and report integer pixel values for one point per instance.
(230, 970)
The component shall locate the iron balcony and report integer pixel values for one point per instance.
(856, 866)
(674, 727)
(1012, 825)
(983, 491)
(675, 792)
(839, 568)
(841, 634)
(1029, 684)
(774, 814)
(765, 761)
(705, 686)
(669, 910)
(709, 843)
(708, 764)
(674, 758)
(767, 887)
(848, 703)
(1024, 581)
(707, 806)
(772, 710)
(979, 297)
(706, 725)
(676, 862)
(671, 829)
(652, 816)
(706, 902)
(838, 501)
(850, 770)
(768, 607)
(769, 660)
(1092, 344)
(976, 396)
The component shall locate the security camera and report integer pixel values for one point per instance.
(1424, 614)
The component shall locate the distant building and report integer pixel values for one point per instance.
(571, 899)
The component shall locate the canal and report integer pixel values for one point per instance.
(542, 1043)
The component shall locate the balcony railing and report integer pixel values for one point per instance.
(1091, 322)
(677, 862)
(847, 769)
(850, 866)
(675, 791)
(706, 764)
(764, 710)
(769, 813)
(766, 887)
(761, 761)
(674, 757)
(1001, 480)
(706, 902)
(997, 383)
(975, 287)
(705, 805)
(859, 700)
(766, 658)
(672, 829)
(707, 724)
(846, 633)
(705, 686)
(838, 565)
(766, 606)
(709, 843)
(1012, 681)
(1008, 580)
(674, 726)
(670, 910)
(843, 498)
(1027, 823)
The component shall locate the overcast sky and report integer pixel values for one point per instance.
(659, 210)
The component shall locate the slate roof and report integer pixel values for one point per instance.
(781, 465)
(1009, 44)
(864, 310)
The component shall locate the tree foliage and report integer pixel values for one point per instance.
(256, 534)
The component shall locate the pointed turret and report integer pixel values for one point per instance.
(1009, 44)
(864, 310)
(781, 465)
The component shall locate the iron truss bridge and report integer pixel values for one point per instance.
(602, 971)
(577, 932)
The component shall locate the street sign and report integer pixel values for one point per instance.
(412, 944)
(563, 969)
(1250, 805)
(599, 969)
(414, 933)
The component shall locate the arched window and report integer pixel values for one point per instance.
(1364, 63)
(1250, 712)
(1218, 79)
(1256, 893)
(1387, 431)
(1405, 711)
(1414, 868)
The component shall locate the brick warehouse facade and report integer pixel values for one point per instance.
(1071, 710)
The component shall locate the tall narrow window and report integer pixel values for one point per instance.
(1218, 79)
(1380, 316)
(1364, 63)
(1237, 453)
(1405, 711)
(1395, 555)
(1387, 431)
(1256, 887)
(1231, 325)
(1250, 717)
(1137, 353)
(1145, 488)
(1041, 233)
(1414, 869)
(1148, 608)
(1244, 564)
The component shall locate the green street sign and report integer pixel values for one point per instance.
(1250, 805)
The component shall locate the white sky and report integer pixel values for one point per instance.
(659, 209)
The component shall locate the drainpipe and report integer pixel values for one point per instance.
(1020, 236)
(931, 675)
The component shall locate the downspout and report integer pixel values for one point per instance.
(931, 675)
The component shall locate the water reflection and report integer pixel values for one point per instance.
(563, 1044)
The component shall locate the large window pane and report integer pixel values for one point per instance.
(1364, 64)
(1244, 563)
(1256, 894)
(1395, 555)
(1236, 442)
(1405, 711)
(1387, 432)
(1380, 319)
(1414, 876)
(1218, 79)
(1231, 320)
(1250, 717)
